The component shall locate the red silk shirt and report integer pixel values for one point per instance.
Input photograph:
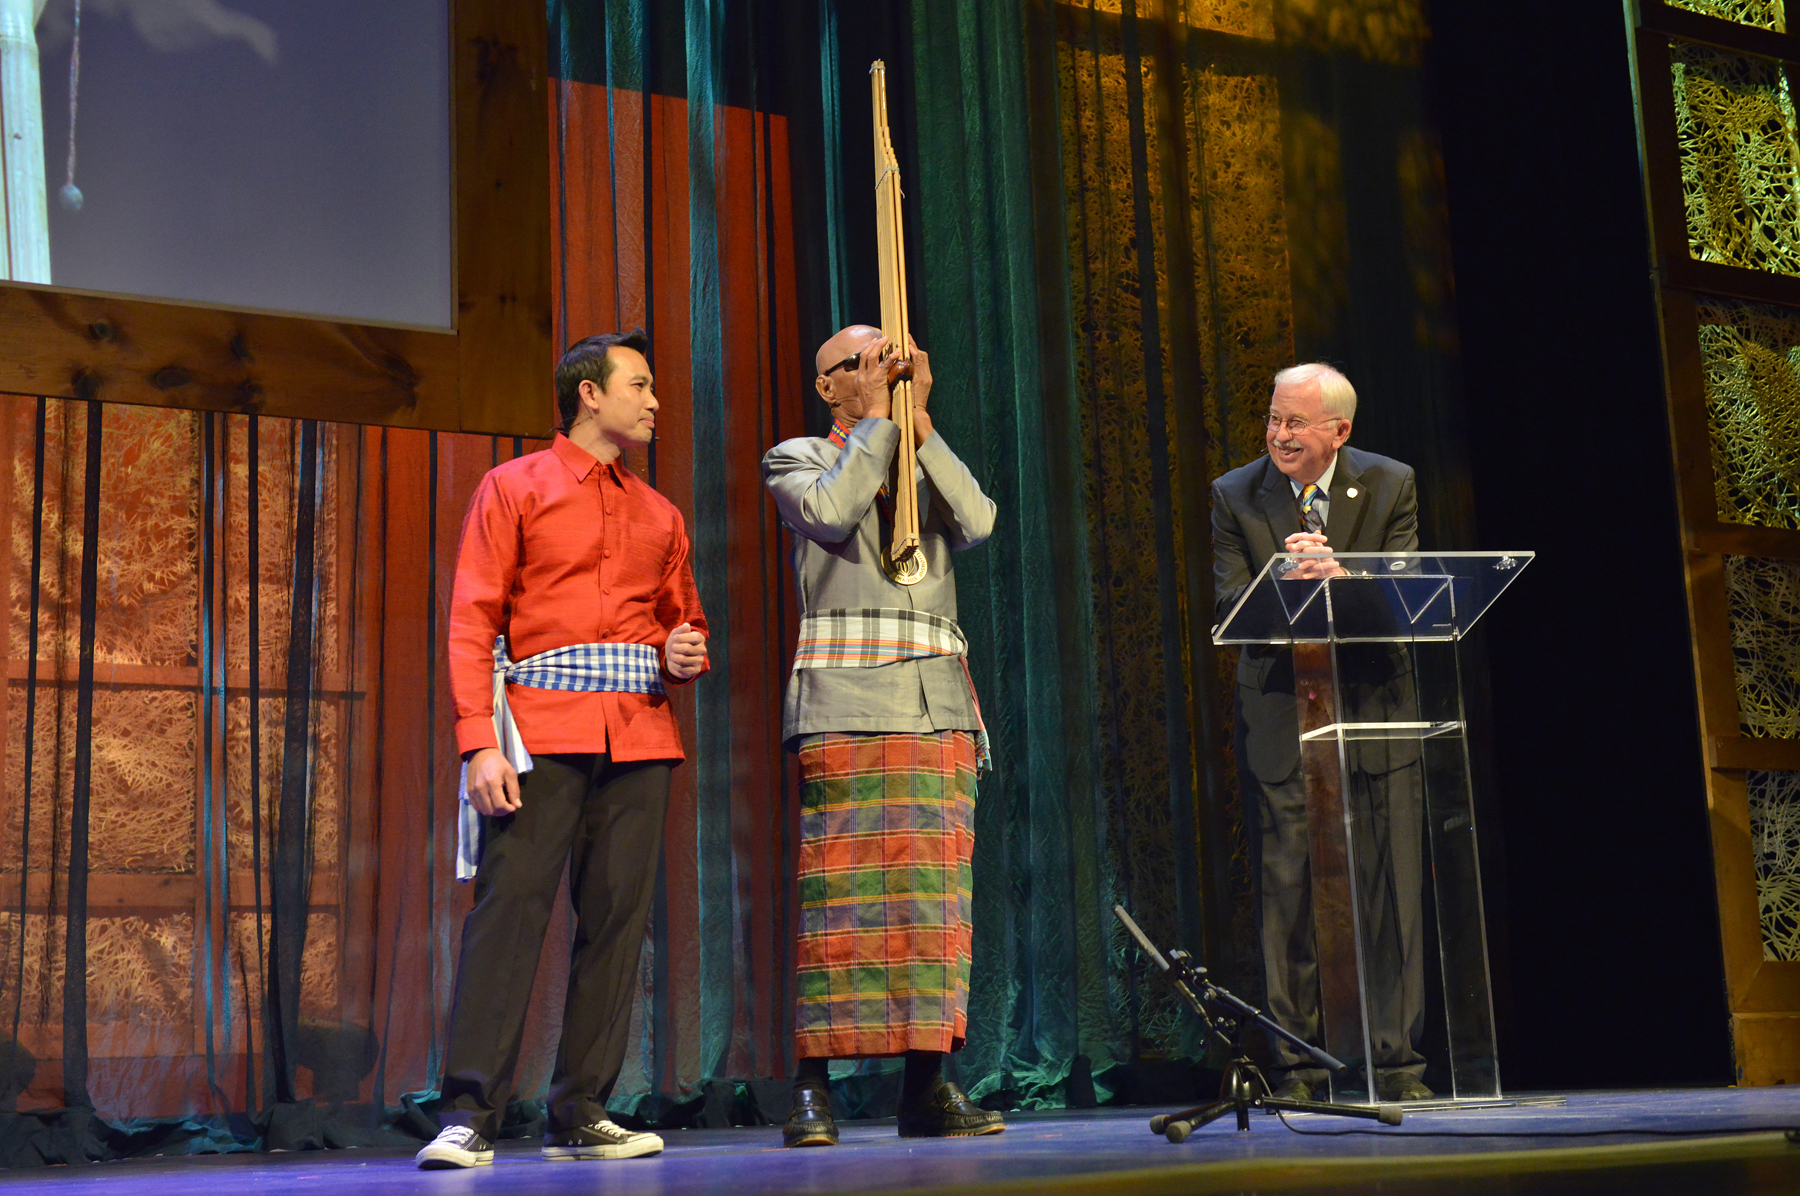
(558, 549)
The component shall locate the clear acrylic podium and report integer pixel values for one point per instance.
(1397, 617)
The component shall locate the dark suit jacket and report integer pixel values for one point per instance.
(1253, 513)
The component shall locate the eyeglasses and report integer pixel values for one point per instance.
(1296, 425)
(849, 363)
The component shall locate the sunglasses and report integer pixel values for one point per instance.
(849, 363)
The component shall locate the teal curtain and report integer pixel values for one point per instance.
(1045, 991)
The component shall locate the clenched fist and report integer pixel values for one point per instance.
(493, 783)
(685, 653)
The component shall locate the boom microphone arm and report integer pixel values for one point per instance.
(1190, 983)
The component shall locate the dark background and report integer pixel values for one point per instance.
(1614, 975)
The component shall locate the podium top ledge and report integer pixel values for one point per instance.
(1382, 597)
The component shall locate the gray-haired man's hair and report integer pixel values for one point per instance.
(1336, 394)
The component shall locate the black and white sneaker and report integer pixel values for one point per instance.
(455, 1146)
(599, 1140)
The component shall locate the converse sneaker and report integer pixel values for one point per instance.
(599, 1140)
(456, 1146)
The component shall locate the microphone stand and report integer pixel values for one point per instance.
(1244, 1087)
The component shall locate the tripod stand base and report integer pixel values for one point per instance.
(1245, 1089)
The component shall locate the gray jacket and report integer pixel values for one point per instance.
(827, 497)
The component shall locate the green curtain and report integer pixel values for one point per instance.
(1046, 984)
(1131, 217)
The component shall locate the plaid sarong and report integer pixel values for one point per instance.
(886, 840)
(587, 668)
(867, 637)
(876, 635)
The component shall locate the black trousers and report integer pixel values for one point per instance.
(606, 820)
(1388, 847)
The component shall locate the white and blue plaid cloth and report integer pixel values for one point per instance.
(584, 668)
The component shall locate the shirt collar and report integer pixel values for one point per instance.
(1324, 482)
(580, 461)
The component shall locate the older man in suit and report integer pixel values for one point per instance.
(881, 709)
(1311, 494)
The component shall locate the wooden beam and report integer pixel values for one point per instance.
(118, 892)
(1660, 148)
(1715, 670)
(503, 291)
(1768, 1048)
(1658, 17)
(1742, 539)
(121, 675)
(1685, 380)
(1716, 278)
(1734, 868)
(1738, 753)
(81, 345)
(1776, 989)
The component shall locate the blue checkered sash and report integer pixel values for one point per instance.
(871, 636)
(584, 668)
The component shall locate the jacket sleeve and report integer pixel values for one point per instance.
(487, 563)
(678, 601)
(826, 505)
(1231, 556)
(1402, 532)
(967, 512)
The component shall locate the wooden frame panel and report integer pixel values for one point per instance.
(1764, 995)
(490, 373)
(1715, 31)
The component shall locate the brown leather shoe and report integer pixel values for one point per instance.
(1294, 1088)
(946, 1113)
(1403, 1085)
(809, 1120)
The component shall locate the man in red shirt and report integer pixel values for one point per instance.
(574, 605)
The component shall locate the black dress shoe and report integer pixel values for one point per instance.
(1294, 1088)
(809, 1120)
(1403, 1085)
(945, 1112)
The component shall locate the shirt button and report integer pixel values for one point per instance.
(608, 552)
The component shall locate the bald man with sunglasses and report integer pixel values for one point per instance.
(882, 713)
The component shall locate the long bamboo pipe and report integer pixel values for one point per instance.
(903, 561)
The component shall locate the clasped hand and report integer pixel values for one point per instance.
(874, 382)
(1317, 549)
(685, 653)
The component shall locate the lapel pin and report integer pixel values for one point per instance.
(1350, 493)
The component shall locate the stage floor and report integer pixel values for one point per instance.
(1071, 1152)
